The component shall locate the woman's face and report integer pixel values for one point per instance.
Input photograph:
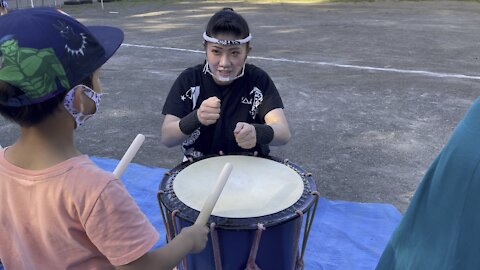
(226, 62)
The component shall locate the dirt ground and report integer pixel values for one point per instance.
(372, 90)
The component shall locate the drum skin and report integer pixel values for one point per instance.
(278, 241)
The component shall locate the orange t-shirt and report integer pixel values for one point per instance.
(73, 215)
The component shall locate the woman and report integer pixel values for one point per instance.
(224, 105)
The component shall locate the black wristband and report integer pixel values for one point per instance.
(189, 123)
(264, 133)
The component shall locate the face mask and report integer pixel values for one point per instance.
(206, 69)
(79, 117)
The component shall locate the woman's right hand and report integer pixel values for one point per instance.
(209, 111)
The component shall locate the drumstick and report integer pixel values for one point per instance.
(213, 197)
(128, 156)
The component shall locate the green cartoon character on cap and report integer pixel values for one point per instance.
(34, 71)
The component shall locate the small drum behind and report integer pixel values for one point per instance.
(258, 218)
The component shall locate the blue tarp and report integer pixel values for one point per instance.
(344, 236)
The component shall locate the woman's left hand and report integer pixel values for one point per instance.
(245, 135)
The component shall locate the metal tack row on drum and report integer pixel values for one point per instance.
(259, 216)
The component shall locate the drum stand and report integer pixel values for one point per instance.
(171, 231)
(299, 265)
(287, 223)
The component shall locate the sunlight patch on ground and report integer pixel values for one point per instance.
(151, 14)
(292, 1)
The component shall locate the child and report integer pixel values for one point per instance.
(224, 105)
(59, 210)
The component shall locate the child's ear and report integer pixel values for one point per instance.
(96, 83)
(82, 103)
(78, 99)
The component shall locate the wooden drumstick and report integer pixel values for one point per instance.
(128, 156)
(213, 197)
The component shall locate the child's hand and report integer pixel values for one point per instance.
(198, 235)
(245, 135)
(209, 111)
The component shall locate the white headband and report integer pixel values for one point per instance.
(226, 42)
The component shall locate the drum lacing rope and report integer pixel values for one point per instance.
(170, 235)
(296, 240)
(175, 233)
(308, 226)
(215, 247)
(174, 222)
(159, 193)
(251, 265)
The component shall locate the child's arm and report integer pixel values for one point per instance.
(190, 239)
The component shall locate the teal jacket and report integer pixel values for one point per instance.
(441, 227)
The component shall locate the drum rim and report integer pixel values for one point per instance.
(303, 204)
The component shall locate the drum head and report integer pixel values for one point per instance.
(256, 187)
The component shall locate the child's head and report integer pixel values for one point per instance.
(227, 44)
(44, 53)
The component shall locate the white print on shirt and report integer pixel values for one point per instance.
(257, 100)
(246, 101)
(190, 152)
(192, 94)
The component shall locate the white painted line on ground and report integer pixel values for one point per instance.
(163, 48)
(418, 72)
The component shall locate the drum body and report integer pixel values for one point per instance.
(261, 223)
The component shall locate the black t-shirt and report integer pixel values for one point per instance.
(247, 99)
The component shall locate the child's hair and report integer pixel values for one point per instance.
(227, 21)
(30, 115)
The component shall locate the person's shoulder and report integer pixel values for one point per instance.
(255, 71)
(258, 76)
(79, 180)
(85, 172)
(189, 76)
(192, 71)
(252, 68)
